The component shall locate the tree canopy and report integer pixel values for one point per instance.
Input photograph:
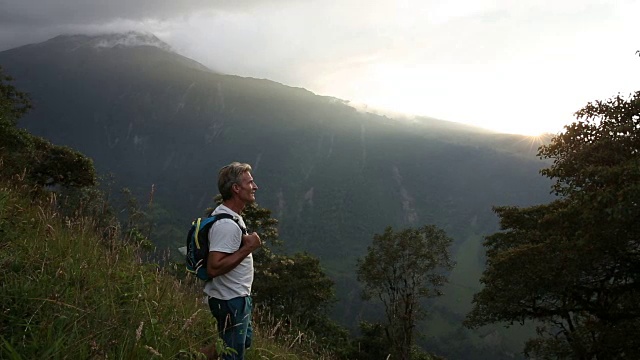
(33, 157)
(13, 103)
(400, 269)
(291, 286)
(573, 266)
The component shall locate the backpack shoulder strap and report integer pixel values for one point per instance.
(221, 216)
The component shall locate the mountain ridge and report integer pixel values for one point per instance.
(123, 106)
(72, 42)
(333, 176)
(110, 40)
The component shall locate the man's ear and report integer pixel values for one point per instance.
(235, 187)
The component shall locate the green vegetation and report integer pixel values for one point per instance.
(69, 293)
(74, 281)
(33, 157)
(77, 282)
(293, 289)
(572, 267)
(332, 176)
(400, 269)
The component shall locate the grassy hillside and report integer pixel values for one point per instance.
(69, 292)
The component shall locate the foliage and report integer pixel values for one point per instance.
(13, 103)
(74, 283)
(33, 157)
(69, 292)
(61, 165)
(332, 176)
(295, 287)
(400, 269)
(294, 290)
(258, 219)
(138, 224)
(43, 163)
(373, 343)
(573, 266)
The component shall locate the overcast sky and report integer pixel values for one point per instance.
(514, 66)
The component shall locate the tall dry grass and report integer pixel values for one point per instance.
(70, 288)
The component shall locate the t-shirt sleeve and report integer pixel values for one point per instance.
(225, 236)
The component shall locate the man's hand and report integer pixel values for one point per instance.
(220, 263)
(252, 241)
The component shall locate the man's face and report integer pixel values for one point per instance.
(247, 188)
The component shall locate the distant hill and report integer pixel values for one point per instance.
(333, 176)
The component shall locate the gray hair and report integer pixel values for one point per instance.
(229, 175)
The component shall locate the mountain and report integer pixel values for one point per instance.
(332, 175)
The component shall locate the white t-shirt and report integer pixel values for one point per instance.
(225, 236)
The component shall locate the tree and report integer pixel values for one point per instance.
(32, 157)
(400, 269)
(61, 165)
(295, 287)
(13, 103)
(573, 266)
(258, 219)
(372, 344)
(136, 221)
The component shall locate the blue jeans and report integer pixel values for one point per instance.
(234, 323)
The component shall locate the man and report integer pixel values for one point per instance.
(230, 262)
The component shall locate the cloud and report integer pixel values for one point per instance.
(25, 21)
(461, 60)
(50, 12)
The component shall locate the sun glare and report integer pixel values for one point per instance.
(452, 92)
(535, 141)
(527, 129)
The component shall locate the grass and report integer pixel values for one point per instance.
(68, 293)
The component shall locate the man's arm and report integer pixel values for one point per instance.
(220, 263)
